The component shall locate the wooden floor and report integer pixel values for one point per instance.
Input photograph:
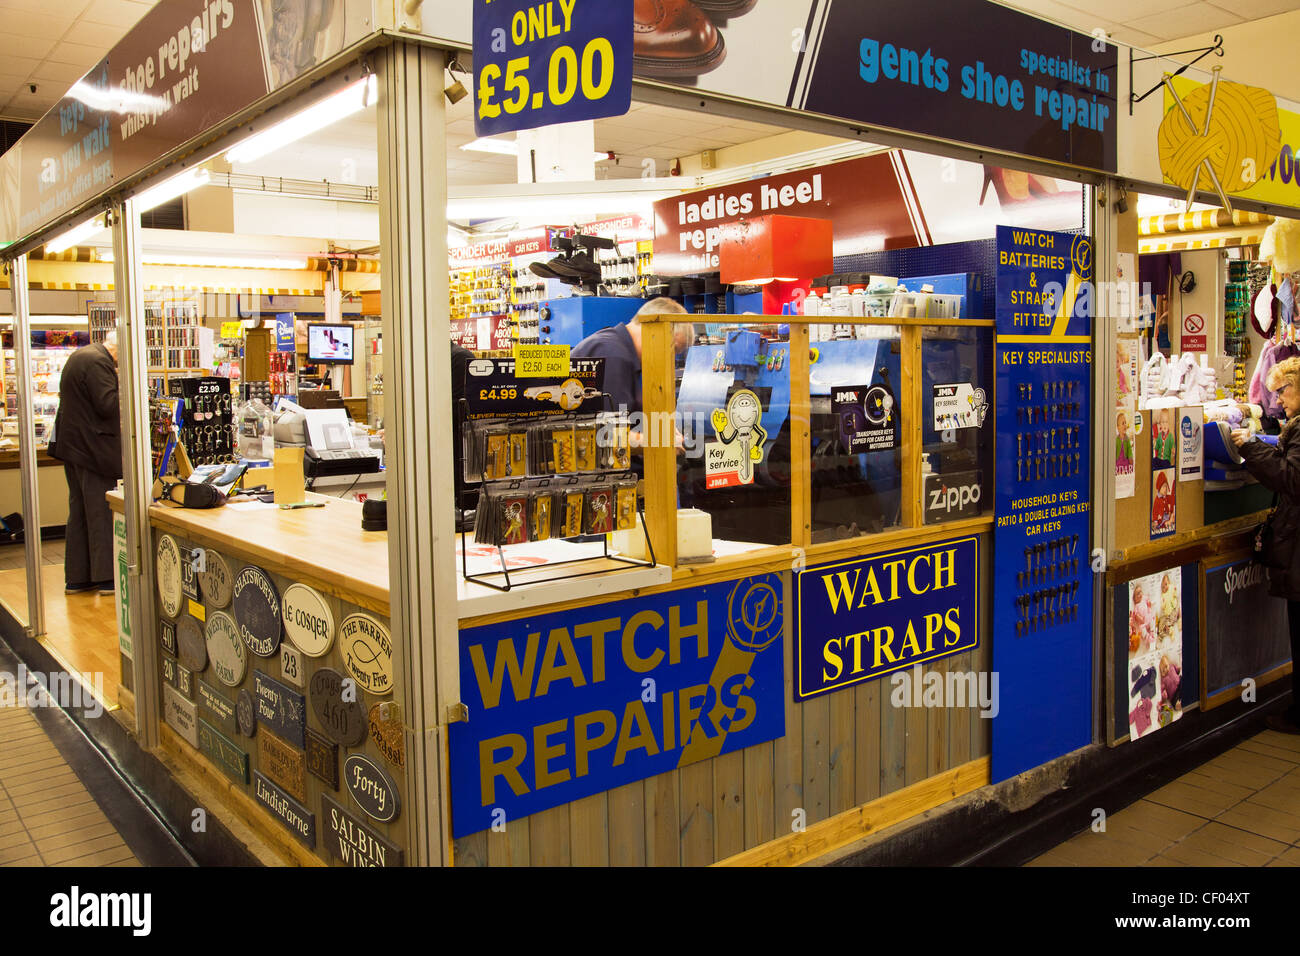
(80, 629)
(1240, 809)
(47, 817)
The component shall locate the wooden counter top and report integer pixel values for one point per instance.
(11, 457)
(323, 547)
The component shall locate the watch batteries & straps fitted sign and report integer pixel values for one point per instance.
(565, 705)
(858, 620)
(1042, 619)
(539, 62)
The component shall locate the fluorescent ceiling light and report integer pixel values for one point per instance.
(351, 99)
(155, 196)
(64, 320)
(115, 98)
(220, 262)
(507, 147)
(75, 235)
(561, 202)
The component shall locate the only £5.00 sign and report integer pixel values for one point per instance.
(554, 61)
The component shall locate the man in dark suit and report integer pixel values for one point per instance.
(87, 439)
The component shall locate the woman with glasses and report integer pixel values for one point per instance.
(1277, 468)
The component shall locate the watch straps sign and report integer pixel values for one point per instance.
(558, 61)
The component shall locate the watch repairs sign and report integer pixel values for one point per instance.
(556, 61)
(861, 619)
(565, 705)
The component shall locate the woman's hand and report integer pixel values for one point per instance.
(1240, 436)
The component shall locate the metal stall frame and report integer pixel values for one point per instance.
(27, 446)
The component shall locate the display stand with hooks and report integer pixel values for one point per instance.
(556, 483)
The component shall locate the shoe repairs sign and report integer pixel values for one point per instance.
(556, 61)
(565, 705)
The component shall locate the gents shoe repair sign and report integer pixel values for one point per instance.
(539, 62)
(565, 705)
(861, 619)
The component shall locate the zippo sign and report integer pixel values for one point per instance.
(954, 495)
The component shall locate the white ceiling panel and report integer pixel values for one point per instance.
(1190, 19)
(116, 13)
(80, 54)
(23, 46)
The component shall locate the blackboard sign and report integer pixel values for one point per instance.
(1234, 592)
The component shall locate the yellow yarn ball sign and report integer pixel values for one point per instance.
(1242, 140)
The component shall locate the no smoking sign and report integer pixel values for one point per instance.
(1193, 338)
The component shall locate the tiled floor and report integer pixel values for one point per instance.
(1240, 809)
(14, 556)
(47, 818)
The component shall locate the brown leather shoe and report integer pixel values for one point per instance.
(673, 38)
(721, 9)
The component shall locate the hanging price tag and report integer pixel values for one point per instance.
(551, 62)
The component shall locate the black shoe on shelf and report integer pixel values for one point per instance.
(1282, 723)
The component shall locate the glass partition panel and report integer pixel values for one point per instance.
(856, 432)
(958, 423)
(733, 414)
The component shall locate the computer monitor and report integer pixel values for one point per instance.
(330, 344)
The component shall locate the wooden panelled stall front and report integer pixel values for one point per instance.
(277, 684)
(850, 764)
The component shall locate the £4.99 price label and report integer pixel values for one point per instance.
(554, 61)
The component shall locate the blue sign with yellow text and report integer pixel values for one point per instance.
(565, 705)
(1042, 574)
(861, 619)
(553, 61)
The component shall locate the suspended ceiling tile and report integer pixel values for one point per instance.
(81, 54)
(98, 35)
(23, 46)
(118, 13)
(1257, 9)
(20, 66)
(1191, 19)
(1121, 11)
(65, 74)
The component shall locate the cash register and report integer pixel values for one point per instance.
(326, 437)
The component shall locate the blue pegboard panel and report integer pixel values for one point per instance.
(978, 256)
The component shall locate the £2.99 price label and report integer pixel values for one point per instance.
(553, 61)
